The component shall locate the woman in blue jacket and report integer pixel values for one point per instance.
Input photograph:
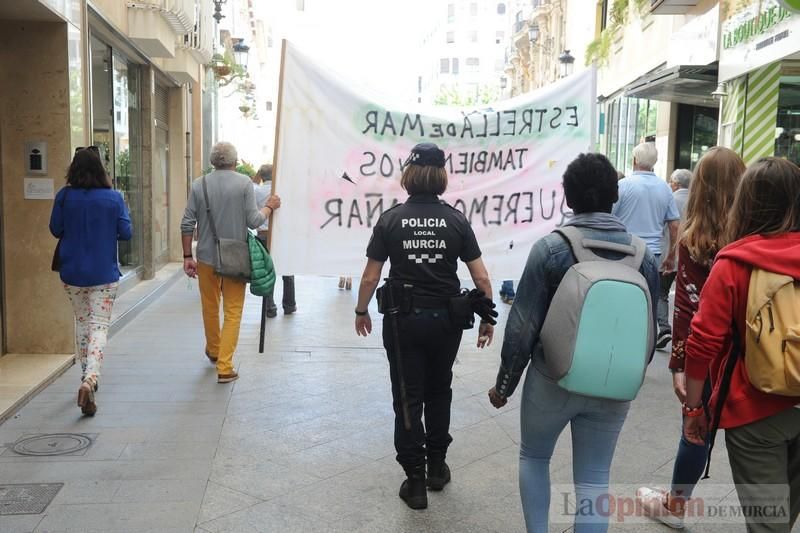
(89, 217)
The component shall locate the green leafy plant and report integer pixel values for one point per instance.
(246, 168)
(599, 50)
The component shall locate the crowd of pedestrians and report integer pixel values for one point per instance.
(593, 300)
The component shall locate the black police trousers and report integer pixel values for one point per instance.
(428, 345)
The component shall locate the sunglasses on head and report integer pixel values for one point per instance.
(93, 148)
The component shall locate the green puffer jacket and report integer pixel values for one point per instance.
(262, 278)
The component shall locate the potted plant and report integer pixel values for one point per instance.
(220, 66)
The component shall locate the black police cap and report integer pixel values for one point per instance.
(426, 154)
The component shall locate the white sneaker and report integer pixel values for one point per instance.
(652, 503)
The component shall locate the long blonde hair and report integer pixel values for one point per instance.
(711, 195)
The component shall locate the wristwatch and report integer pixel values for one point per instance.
(693, 411)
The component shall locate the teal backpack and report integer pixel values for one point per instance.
(598, 335)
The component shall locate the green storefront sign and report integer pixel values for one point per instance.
(758, 25)
(793, 5)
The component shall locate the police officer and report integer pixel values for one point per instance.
(424, 314)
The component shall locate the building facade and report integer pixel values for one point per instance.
(465, 51)
(657, 69)
(759, 68)
(543, 47)
(124, 76)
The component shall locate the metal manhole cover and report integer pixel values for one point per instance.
(53, 444)
(27, 499)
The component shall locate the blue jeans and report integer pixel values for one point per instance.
(595, 424)
(507, 289)
(691, 459)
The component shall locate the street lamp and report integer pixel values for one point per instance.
(533, 32)
(240, 50)
(567, 63)
(218, 16)
(721, 91)
(503, 82)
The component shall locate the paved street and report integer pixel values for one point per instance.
(302, 442)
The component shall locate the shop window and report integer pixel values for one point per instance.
(630, 121)
(116, 131)
(444, 66)
(501, 8)
(696, 133)
(787, 134)
(603, 15)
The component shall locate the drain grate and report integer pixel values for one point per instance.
(27, 499)
(53, 444)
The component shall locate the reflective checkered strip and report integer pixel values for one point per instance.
(425, 257)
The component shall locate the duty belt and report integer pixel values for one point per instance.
(430, 302)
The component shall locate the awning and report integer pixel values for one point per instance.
(684, 84)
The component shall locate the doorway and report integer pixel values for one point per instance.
(161, 225)
(697, 132)
(116, 131)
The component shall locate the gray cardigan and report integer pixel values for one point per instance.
(233, 206)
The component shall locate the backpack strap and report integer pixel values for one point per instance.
(583, 248)
(722, 396)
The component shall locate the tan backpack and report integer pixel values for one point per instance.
(772, 349)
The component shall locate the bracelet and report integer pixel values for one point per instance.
(692, 412)
(189, 256)
(362, 313)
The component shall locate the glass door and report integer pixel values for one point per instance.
(127, 152)
(102, 133)
(161, 196)
(787, 134)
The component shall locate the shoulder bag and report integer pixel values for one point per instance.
(233, 256)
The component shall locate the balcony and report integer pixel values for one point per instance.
(672, 7)
(154, 25)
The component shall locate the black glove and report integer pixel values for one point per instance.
(482, 306)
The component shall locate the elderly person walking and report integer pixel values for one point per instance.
(232, 205)
(646, 206)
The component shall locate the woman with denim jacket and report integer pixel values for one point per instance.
(590, 186)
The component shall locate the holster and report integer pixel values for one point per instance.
(394, 294)
(461, 314)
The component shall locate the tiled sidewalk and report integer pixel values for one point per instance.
(302, 442)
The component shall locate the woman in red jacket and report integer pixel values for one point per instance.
(713, 189)
(762, 430)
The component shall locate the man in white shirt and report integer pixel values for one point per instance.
(646, 206)
(262, 187)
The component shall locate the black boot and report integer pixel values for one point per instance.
(413, 491)
(438, 474)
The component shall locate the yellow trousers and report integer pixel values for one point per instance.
(221, 343)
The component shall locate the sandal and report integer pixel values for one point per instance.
(86, 399)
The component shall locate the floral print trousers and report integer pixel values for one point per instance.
(92, 307)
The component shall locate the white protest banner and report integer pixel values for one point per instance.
(339, 156)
